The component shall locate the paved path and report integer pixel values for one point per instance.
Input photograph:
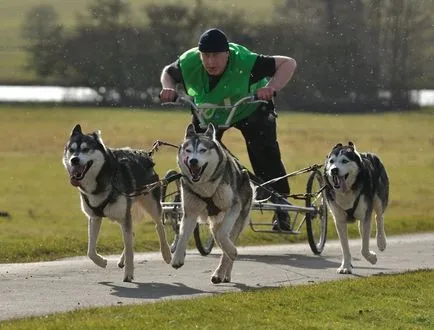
(68, 284)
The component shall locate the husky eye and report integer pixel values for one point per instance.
(331, 161)
(85, 150)
(344, 161)
(188, 150)
(202, 150)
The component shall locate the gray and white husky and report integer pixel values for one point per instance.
(356, 185)
(214, 188)
(110, 182)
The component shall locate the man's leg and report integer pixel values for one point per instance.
(259, 131)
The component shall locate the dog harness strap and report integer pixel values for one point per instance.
(210, 205)
(99, 210)
(350, 212)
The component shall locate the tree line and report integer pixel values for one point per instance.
(347, 51)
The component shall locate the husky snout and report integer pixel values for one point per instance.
(75, 161)
(334, 171)
(195, 169)
(193, 162)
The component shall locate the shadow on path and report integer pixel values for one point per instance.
(152, 290)
(293, 260)
(156, 290)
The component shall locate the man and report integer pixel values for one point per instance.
(220, 72)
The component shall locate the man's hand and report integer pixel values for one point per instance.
(265, 93)
(167, 95)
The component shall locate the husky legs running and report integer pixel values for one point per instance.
(109, 181)
(356, 186)
(215, 188)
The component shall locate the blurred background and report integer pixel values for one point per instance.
(353, 56)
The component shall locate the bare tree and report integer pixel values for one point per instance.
(405, 31)
(43, 34)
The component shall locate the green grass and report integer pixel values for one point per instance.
(47, 222)
(403, 301)
(13, 14)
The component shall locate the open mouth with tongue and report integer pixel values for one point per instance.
(340, 181)
(196, 171)
(78, 172)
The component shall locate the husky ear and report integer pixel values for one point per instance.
(352, 146)
(339, 145)
(210, 131)
(97, 135)
(76, 130)
(190, 131)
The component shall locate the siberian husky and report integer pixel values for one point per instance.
(214, 188)
(110, 182)
(356, 185)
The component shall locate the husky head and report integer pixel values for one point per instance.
(199, 154)
(83, 156)
(342, 166)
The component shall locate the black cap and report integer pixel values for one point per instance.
(213, 41)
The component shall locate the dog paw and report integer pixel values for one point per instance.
(99, 261)
(178, 260)
(121, 262)
(370, 256)
(344, 269)
(381, 243)
(128, 278)
(177, 265)
(220, 276)
(215, 279)
(167, 256)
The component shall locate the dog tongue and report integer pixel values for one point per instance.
(343, 183)
(74, 181)
(195, 171)
(76, 174)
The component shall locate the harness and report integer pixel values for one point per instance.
(99, 210)
(350, 211)
(210, 205)
(111, 198)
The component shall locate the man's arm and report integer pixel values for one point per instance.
(170, 76)
(284, 70)
(285, 67)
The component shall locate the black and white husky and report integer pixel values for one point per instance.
(356, 185)
(215, 188)
(110, 182)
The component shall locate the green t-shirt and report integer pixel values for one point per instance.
(232, 86)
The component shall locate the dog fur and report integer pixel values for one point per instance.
(356, 185)
(214, 188)
(110, 182)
